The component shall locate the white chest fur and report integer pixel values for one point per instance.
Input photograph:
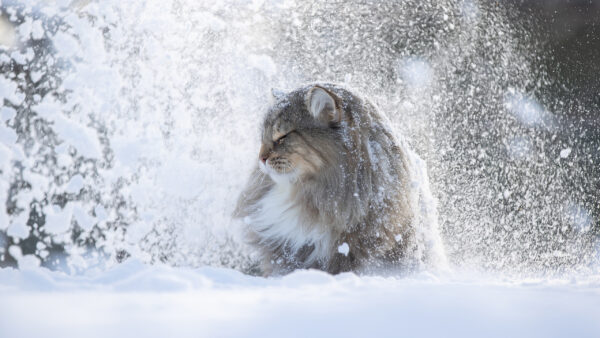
(280, 220)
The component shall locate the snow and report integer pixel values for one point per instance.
(57, 220)
(7, 113)
(179, 174)
(100, 212)
(83, 138)
(157, 301)
(25, 261)
(16, 225)
(7, 135)
(5, 157)
(36, 76)
(8, 90)
(344, 249)
(65, 44)
(520, 148)
(74, 133)
(37, 29)
(18, 230)
(83, 218)
(528, 111)
(137, 231)
(180, 93)
(263, 63)
(579, 217)
(75, 184)
(416, 72)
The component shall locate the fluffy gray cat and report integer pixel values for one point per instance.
(335, 190)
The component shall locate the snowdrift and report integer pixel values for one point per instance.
(133, 299)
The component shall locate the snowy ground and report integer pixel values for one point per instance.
(159, 301)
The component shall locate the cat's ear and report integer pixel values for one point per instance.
(322, 105)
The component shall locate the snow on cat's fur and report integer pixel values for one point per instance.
(332, 174)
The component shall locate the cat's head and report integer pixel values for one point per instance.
(301, 134)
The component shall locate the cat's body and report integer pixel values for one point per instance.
(334, 189)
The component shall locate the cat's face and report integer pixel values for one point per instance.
(299, 136)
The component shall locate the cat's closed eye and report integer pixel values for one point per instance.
(280, 140)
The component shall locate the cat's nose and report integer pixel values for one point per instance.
(263, 154)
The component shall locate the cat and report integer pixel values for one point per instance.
(335, 190)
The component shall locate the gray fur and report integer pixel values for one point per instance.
(348, 179)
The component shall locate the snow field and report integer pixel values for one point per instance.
(134, 299)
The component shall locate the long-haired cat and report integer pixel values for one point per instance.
(335, 190)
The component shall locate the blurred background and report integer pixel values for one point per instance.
(570, 31)
(116, 118)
